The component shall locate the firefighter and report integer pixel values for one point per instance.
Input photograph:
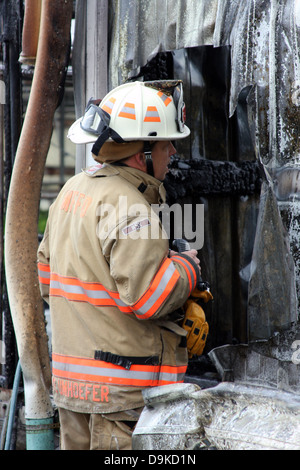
(105, 268)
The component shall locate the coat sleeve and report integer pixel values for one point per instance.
(151, 283)
(44, 265)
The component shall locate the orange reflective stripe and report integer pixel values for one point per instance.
(96, 294)
(103, 379)
(166, 99)
(92, 370)
(152, 114)
(109, 104)
(128, 111)
(161, 286)
(44, 273)
(168, 373)
(189, 269)
(93, 293)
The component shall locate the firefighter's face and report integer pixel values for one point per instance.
(161, 157)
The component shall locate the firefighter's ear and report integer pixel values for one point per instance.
(141, 159)
(138, 161)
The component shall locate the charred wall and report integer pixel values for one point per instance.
(217, 167)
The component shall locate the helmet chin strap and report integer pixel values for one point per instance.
(148, 156)
(104, 137)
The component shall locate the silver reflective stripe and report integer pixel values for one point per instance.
(105, 372)
(158, 291)
(167, 377)
(164, 97)
(109, 104)
(152, 113)
(117, 373)
(127, 110)
(80, 290)
(74, 289)
(187, 266)
(44, 274)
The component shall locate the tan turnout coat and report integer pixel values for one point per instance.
(104, 269)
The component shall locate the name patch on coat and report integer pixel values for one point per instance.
(93, 169)
(93, 392)
(136, 226)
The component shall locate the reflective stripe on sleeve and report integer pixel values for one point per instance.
(160, 288)
(93, 293)
(189, 269)
(96, 294)
(44, 273)
(92, 370)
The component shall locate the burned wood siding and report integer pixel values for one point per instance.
(240, 65)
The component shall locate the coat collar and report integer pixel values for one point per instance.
(152, 189)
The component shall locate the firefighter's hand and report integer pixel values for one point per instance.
(192, 254)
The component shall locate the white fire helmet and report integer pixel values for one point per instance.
(146, 111)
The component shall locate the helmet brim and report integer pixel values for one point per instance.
(78, 136)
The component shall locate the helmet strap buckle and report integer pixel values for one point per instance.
(148, 156)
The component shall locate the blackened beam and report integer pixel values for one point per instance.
(194, 178)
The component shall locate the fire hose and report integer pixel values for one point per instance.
(21, 230)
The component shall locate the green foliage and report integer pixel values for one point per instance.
(43, 216)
